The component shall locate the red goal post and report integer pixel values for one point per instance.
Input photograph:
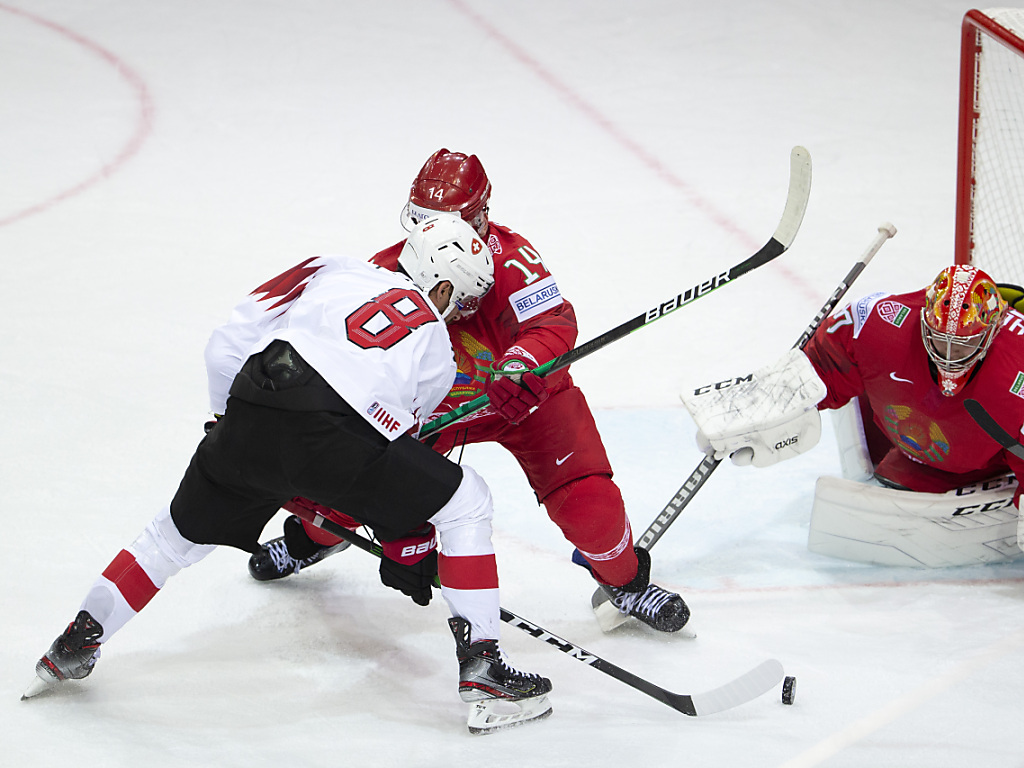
(990, 163)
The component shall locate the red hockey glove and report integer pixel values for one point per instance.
(410, 564)
(515, 389)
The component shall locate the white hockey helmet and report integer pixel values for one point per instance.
(445, 247)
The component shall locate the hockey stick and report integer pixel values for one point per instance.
(987, 422)
(744, 688)
(785, 233)
(600, 601)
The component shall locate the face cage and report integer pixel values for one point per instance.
(468, 307)
(413, 214)
(970, 348)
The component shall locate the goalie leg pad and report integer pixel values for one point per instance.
(866, 523)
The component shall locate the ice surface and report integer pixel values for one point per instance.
(161, 159)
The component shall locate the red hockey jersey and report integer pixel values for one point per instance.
(874, 347)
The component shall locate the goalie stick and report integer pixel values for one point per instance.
(987, 422)
(608, 615)
(741, 690)
(785, 233)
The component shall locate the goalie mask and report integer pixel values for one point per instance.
(449, 182)
(961, 315)
(446, 248)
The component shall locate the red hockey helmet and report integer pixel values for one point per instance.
(961, 315)
(453, 183)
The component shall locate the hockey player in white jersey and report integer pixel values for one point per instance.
(322, 375)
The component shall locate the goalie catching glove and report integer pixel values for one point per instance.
(763, 420)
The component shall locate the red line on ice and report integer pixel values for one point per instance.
(595, 116)
(143, 127)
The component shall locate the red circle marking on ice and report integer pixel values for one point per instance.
(143, 127)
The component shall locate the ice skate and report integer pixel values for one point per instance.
(656, 607)
(71, 657)
(275, 560)
(501, 697)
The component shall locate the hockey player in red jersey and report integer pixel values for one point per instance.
(545, 423)
(914, 358)
(973, 348)
(321, 374)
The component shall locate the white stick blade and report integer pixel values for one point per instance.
(748, 687)
(799, 193)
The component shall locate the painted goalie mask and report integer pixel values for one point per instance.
(961, 315)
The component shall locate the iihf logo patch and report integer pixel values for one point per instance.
(1018, 385)
(373, 408)
(893, 312)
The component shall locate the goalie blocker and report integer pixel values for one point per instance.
(763, 418)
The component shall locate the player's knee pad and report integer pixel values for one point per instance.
(162, 551)
(464, 523)
(592, 515)
(587, 500)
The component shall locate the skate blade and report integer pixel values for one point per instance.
(609, 617)
(492, 715)
(36, 687)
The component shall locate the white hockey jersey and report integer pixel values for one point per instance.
(371, 333)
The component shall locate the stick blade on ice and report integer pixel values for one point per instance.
(761, 679)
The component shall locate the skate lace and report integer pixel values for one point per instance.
(509, 675)
(278, 552)
(515, 676)
(649, 602)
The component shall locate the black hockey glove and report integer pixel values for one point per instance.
(409, 565)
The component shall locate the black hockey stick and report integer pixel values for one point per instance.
(988, 423)
(785, 233)
(744, 688)
(709, 464)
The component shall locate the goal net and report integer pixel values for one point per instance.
(990, 167)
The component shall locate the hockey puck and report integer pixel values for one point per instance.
(788, 690)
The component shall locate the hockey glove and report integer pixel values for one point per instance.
(515, 389)
(770, 416)
(409, 564)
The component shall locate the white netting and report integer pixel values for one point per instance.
(998, 205)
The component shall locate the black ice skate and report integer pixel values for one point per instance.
(656, 607)
(502, 697)
(71, 656)
(275, 560)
